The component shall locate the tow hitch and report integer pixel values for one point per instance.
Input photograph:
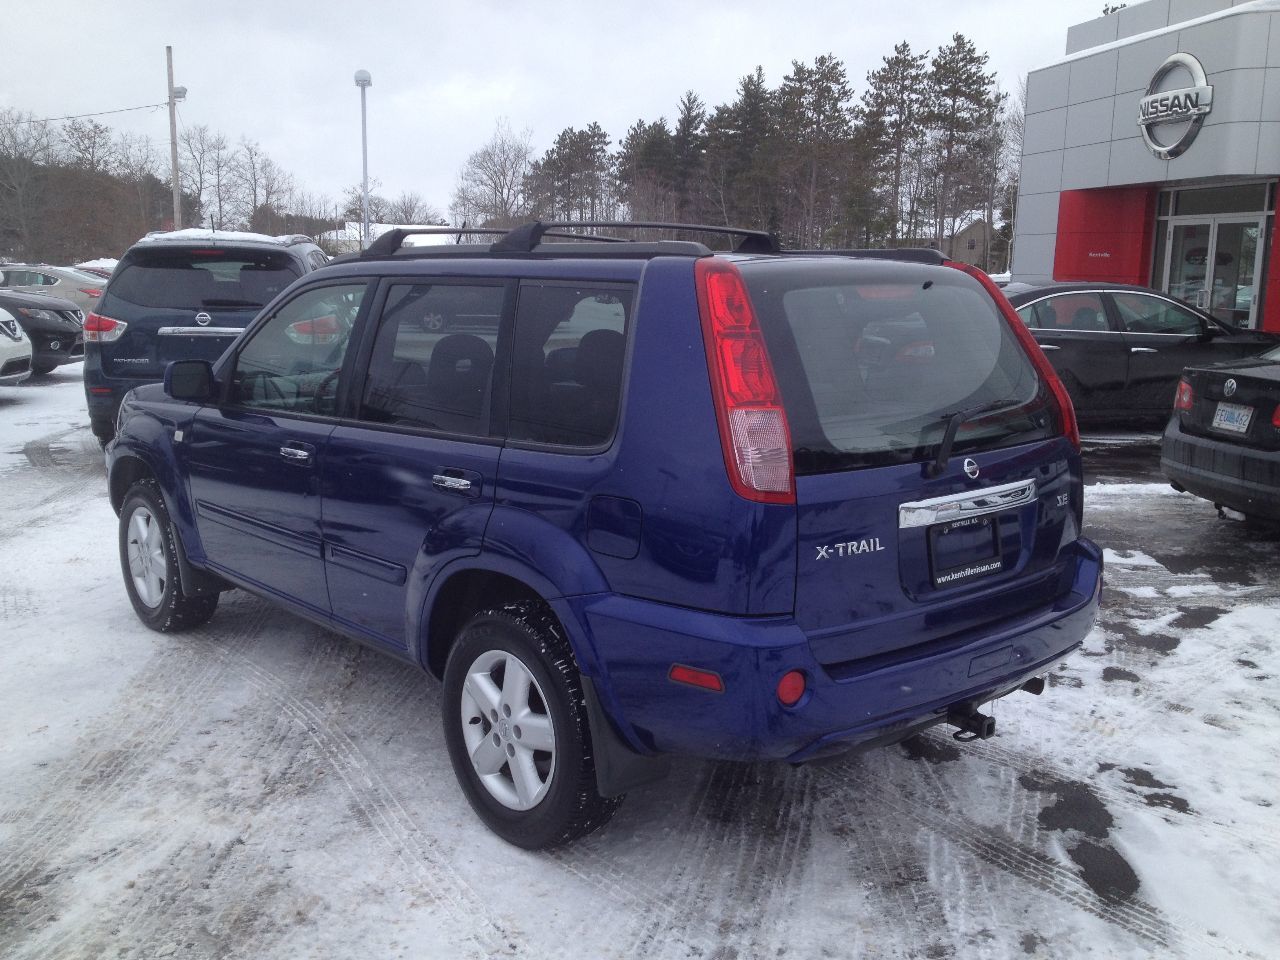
(973, 725)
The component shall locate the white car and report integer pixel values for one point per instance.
(15, 351)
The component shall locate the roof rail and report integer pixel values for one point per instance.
(391, 241)
(910, 254)
(527, 236)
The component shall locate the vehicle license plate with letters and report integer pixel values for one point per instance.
(1232, 417)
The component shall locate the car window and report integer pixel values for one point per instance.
(567, 364)
(1069, 311)
(1140, 313)
(432, 360)
(187, 279)
(294, 360)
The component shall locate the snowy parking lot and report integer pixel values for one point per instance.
(262, 788)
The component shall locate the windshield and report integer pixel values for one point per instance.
(874, 359)
(199, 279)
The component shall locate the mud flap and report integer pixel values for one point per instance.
(618, 767)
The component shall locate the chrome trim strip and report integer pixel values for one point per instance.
(201, 331)
(970, 503)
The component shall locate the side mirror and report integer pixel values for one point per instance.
(189, 380)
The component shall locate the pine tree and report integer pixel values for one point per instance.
(890, 120)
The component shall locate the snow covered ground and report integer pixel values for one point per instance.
(261, 788)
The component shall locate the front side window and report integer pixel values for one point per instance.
(293, 362)
(567, 364)
(432, 361)
(1142, 314)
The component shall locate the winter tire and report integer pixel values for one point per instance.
(517, 728)
(149, 561)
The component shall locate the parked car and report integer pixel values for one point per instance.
(53, 325)
(1223, 439)
(181, 295)
(15, 351)
(1120, 349)
(97, 271)
(659, 504)
(81, 288)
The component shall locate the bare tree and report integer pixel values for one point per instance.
(491, 184)
(89, 144)
(27, 148)
(409, 207)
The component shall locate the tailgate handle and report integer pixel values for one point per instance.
(970, 503)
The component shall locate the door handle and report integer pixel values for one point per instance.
(446, 482)
(296, 454)
(1049, 346)
(1143, 350)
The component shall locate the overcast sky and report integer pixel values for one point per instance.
(444, 73)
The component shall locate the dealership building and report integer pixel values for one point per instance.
(1151, 154)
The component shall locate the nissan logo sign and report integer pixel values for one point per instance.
(203, 318)
(1185, 107)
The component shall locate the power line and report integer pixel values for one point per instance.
(100, 113)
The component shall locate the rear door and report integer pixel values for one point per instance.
(1085, 348)
(186, 303)
(891, 556)
(254, 460)
(410, 477)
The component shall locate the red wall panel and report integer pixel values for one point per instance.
(1106, 235)
(1270, 319)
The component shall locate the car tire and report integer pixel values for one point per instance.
(149, 562)
(533, 789)
(43, 369)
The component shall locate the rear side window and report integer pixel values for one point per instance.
(1070, 311)
(432, 362)
(198, 279)
(872, 359)
(567, 363)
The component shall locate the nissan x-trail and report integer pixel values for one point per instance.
(632, 500)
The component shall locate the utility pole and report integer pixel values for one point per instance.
(175, 94)
(364, 81)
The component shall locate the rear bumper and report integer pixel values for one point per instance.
(1243, 478)
(628, 646)
(103, 394)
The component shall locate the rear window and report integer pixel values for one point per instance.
(200, 279)
(872, 359)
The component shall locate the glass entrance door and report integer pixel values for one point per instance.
(1213, 263)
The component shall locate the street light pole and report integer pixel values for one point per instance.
(364, 81)
(175, 94)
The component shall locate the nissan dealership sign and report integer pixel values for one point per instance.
(1180, 111)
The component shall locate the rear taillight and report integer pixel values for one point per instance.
(100, 329)
(1066, 412)
(754, 434)
(1275, 417)
(90, 292)
(1185, 398)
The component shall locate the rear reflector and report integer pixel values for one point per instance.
(754, 435)
(1185, 398)
(791, 688)
(100, 329)
(100, 391)
(703, 679)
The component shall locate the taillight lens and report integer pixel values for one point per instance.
(100, 329)
(90, 292)
(1185, 398)
(1275, 417)
(1066, 411)
(754, 434)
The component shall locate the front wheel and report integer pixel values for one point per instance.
(149, 561)
(517, 731)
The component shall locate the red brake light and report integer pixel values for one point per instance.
(1066, 412)
(1185, 398)
(754, 435)
(694, 677)
(100, 329)
(90, 292)
(1275, 417)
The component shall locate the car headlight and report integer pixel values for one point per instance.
(35, 313)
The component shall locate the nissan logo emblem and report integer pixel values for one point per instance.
(203, 318)
(1229, 388)
(1183, 109)
(971, 469)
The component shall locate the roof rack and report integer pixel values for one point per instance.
(910, 254)
(529, 237)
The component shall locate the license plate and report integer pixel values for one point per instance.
(964, 550)
(1232, 417)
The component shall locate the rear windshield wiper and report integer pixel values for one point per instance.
(954, 422)
(231, 303)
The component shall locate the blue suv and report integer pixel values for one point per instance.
(181, 295)
(630, 499)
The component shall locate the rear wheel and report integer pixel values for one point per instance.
(149, 561)
(517, 730)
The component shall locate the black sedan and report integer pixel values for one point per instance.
(1223, 440)
(53, 325)
(1120, 349)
